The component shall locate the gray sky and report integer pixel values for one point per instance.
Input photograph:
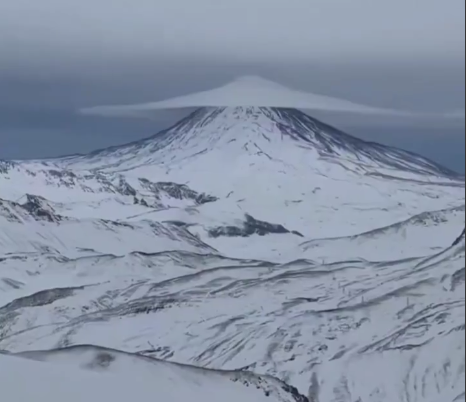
(58, 56)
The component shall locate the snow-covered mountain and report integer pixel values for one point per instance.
(218, 165)
(216, 129)
(243, 238)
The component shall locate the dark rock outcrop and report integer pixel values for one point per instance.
(5, 166)
(251, 226)
(42, 298)
(39, 208)
(460, 238)
(125, 189)
(177, 191)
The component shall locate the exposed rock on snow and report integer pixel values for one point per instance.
(176, 191)
(251, 227)
(33, 227)
(460, 238)
(5, 166)
(39, 208)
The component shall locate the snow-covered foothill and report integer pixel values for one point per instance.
(128, 378)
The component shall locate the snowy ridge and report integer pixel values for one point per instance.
(86, 188)
(26, 274)
(35, 226)
(431, 231)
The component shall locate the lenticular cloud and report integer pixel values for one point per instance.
(247, 91)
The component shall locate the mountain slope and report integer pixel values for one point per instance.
(210, 128)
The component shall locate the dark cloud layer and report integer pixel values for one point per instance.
(241, 30)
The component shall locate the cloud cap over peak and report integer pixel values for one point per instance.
(248, 91)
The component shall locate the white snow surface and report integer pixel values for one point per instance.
(116, 377)
(247, 91)
(242, 238)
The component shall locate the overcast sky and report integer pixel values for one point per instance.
(58, 56)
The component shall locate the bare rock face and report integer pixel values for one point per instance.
(176, 191)
(460, 238)
(251, 226)
(40, 209)
(5, 166)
